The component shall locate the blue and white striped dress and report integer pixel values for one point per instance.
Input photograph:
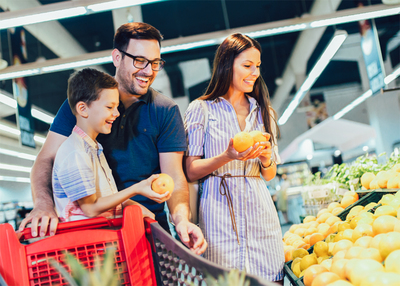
(261, 249)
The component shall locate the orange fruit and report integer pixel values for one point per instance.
(309, 218)
(258, 136)
(353, 252)
(370, 253)
(333, 205)
(384, 224)
(396, 167)
(392, 262)
(347, 201)
(366, 179)
(288, 253)
(374, 184)
(325, 278)
(363, 241)
(338, 266)
(242, 141)
(340, 283)
(311, 272)
(361, 230)
(376, 240)
(323, 217)
(164, 183)
(343, 244)
(310, 231)
(381, 279)
(383, 177)
(393, 183)
(361, 267)
(332, 220)
(337, 210)
(389, 243)
(321, 212)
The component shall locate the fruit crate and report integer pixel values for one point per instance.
(145, 253)
(366, 197)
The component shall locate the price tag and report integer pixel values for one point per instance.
(318, 194)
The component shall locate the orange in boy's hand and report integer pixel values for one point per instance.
(242, 141)
(258, 136)
(164, 183)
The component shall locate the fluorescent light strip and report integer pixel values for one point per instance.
(188, 46)
(15, 179)
(276, 31)
(78, 64)
(35, 112)
(15, 168)
(17, 154)
(355, 17)
(19, 74)
(42, 17)
(323, 61)
(117, 5)
(15, 131)
(365, 95)
(42, 116)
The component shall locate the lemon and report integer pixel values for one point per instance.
(300, 252)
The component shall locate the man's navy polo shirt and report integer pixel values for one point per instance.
(150, 126)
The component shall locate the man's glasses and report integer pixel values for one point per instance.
(142, 63)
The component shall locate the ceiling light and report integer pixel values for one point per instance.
(77, 64)
(18, 74)
(117, 4)
(188, 46)
(355, 17)
(365, 95)
(334, 45)
(15, 168)
(17, 154)
(36, 113)
(337, 153)
(15, 131)
(365, 148)
(15, 179)
(278, 30)
(309, 157)
(63, 10)
(42, 17)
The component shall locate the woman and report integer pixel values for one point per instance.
(237, 214)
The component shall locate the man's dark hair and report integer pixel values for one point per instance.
(85, 85)
(135, 30)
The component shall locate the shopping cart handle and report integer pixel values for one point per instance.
(64, 227)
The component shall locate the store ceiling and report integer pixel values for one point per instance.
(190, 17)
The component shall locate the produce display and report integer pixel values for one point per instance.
(356, 239)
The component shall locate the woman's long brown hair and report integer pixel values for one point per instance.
(222, 75)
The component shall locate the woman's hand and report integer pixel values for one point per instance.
(260, 150)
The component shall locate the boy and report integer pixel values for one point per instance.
(82, 181)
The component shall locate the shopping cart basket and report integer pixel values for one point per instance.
(135, 244)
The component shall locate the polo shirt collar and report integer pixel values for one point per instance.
(144, 98)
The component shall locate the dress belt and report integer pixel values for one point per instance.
(224, 191)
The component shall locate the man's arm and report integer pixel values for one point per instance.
(42, 192)
(178, 204)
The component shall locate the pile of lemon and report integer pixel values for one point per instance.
(364, 250)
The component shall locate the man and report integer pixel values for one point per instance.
(148, 137)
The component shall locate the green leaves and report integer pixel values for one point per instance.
(100, 275)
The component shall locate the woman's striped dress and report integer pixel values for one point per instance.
(261, 249)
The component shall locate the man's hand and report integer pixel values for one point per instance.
(46, 215)
(191, 235)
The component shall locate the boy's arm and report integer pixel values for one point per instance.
(92, 205)
(42, 192)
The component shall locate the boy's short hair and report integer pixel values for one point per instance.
(85, 85)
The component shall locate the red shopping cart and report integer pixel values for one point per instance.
(145, 254)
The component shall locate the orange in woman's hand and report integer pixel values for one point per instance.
(258, 136)
(164, 183)
(242, 141)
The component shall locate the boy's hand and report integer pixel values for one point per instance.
(144, 189)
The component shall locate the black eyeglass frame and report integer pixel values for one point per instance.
(148, 61)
